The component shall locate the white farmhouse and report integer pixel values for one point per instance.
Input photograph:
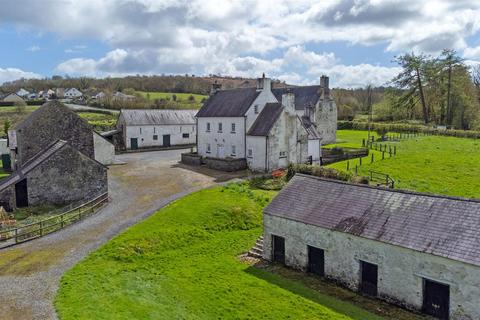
(23, 93)
(418, 250)
(72, 93)
(270, 128)
(150, 128)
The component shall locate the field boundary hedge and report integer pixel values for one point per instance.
(400, 127)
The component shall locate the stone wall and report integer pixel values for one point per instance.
(400, 270)
(192, 159)
(228, 165)
(7, 198)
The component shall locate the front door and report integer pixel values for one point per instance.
(166, 140)
(21, 194)
(133, 143)
(436, 299)
(369, 278)
(278, 249)
(316, 261)
(220, 151)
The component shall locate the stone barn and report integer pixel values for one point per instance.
(51, 122)
(58, 174)
(417, 250)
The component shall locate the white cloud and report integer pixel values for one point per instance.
(472, 53)
(10, 74)
(33, 48)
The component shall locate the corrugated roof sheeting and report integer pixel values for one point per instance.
(443, 226)
(137, 117)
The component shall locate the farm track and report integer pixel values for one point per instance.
(30, 273)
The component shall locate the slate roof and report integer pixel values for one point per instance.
(266, 119)
(135, 117)
(444, 226)
(304, 96)
(228, 103)
(310, 128)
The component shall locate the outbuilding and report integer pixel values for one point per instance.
(151, 128)
(418, 250)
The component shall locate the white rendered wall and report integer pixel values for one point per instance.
(144, 135)
(258, 145)
(226, 138)
(314, 150)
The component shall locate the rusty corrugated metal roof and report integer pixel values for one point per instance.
(439, 225)
(135, 117)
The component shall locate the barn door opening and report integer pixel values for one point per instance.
(21, 194)
(133, 143)
(166, 140)
(436, 299)
(278, 249)
(369, 278)
(316, 261)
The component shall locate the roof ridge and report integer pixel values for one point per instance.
(403, 191)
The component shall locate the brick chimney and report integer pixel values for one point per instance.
(264, 83)
(324, 87)
(288, 101)
(215, 87)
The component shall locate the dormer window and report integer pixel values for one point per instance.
(255, 109)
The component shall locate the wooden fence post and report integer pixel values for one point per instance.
(395, 150)
(360, 161)
(348, 165)
(372, 159)
(363, 143)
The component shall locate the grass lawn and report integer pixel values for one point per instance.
(435, 164)
(182, 263)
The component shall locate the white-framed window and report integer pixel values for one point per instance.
(233, 127)
(234, 150)
(255, 108)
(209, 148)
(250, 153)
(208, 126)
(283, 154)
(220, 127)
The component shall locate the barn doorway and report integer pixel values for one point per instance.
(21, 194)
(369, 280)
(133, 143)
(166, 140)
(316, 261)
(278, 249)
(436, 299)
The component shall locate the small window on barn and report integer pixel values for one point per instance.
(234, 150)
(220, 127)
(186, 135)
(250, 153)
(154, 130)
(140, 130)
(209, 148)
(208, 126)
(155, 137)
(255, 109)
(233, 127)
(283, 154)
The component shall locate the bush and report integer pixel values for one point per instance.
(318, 171)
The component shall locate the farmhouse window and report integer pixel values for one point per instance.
(140, 130)
(234, 150)
(208, 126)
(186, 135)
(233, 127)
(250, 153)
(369, 278)
(208, 148)
(255, 109)
(220, 127)
(154, 130)
(155, 137)
(283, 154)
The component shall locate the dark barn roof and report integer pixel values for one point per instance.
(304, 96)
(442, 226)
(229, 103)
(135, 117)
(266, 119)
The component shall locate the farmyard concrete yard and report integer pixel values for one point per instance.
(30, 273)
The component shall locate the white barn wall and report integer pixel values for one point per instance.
(314, 150)
(258, 145)
(104, 151)
(145, 133)
(226, 138)
(400, 270)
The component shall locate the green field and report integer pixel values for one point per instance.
(182, 263)
(434, 164)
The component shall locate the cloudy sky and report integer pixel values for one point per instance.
(352, 41)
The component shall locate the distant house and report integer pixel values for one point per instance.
(122, 96)
(147, 128)
(46, 94)
(12, 97)
(417, 250)
(73, 93)
(51, 122)
(23, 93)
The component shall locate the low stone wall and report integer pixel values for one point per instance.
(228, 165)
(192, 159)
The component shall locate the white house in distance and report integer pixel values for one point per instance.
(418, 250)
(72, 93)
(268, 127)
(23, 93)
(150, 128)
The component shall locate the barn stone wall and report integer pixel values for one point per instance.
(7, 198)
(67, 176)
(400, 270)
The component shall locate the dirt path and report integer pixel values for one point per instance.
(30, 273)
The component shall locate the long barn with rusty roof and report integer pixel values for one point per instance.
(418, 250)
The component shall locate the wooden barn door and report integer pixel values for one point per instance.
(21, 194)
(436, 299)
(316, 261)
(133, 143)
(369, 279)
(166, 140)
(278, 249)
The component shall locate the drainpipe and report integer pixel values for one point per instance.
(245, 136)
(196, 133)
(266, 154)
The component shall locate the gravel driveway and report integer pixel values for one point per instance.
(30, 273)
